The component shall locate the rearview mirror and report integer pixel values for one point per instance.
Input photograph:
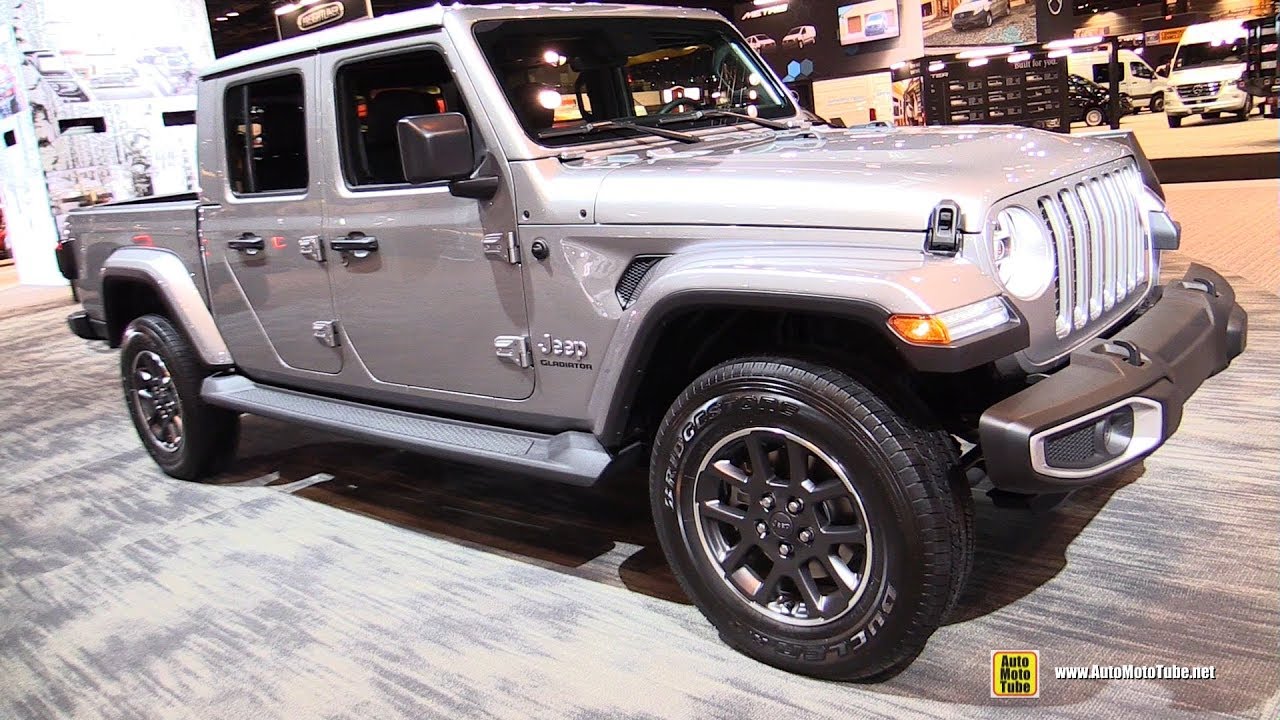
(435, 147)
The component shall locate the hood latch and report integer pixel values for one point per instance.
(943, 236)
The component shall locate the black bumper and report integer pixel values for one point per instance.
(1154, 365)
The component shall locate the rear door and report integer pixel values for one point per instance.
(437, 293)
(269, 288)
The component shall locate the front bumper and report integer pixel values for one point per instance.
(968, 21)
(1228, 99)
(1152, 367)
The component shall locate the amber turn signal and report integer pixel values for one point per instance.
(920, 329)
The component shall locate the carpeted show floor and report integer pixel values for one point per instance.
(325, 579)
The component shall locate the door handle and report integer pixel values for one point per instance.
(248, 242)
(357, 243)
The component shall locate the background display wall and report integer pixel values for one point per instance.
(110, 94)
(952, 23)
(806, 40)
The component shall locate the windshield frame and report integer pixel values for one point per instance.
(786, 110)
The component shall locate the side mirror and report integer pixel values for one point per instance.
(1163, 71)
(435, 147)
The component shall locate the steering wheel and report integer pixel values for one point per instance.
(677, 102)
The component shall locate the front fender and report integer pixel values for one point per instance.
(863, 284)
(168, 276)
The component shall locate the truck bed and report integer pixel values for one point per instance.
(168, 221)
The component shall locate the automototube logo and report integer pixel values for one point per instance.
(1015, 674)
(320, 15)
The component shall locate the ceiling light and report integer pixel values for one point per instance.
(978, 62)
(219, 19)
(1060, 52)
(898, 65)
(984, 52)
(233, 14)
(549, 99)
(1073, 42)
(1019, 57)
(936, 65)
(286, 9)
(767, 2)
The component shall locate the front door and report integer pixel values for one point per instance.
(418, 298)
(271, 298)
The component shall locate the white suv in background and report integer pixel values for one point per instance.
(1205, 76)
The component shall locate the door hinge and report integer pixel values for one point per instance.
(513, 349)
(502, 245)
(326, 331)
(311, 246)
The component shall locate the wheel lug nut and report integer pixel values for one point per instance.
(761, 528)
(766, 502)
(784, 550)
(795, 505)
(806, 535)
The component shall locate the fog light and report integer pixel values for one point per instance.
(1117, 431)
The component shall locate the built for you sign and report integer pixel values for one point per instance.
(302, 19)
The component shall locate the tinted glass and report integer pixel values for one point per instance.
(267, 136)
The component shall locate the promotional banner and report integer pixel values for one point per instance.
(824, 39)
(855, 100)
(111, 90)
(311, 16)
(953, 23)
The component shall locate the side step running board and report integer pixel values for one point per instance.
(576, 458)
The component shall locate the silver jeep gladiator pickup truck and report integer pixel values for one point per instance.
(551, 242)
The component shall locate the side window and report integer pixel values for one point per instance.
(266, 136)
(1139, 70)
(1100, 74)
(373, 95)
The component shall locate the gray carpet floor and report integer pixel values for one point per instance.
(125, 594)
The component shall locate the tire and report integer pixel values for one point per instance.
(161, 376)
(989, 19)
(1174, 120)
(1248, 108)
(1157, 103)
(1094, 117)
(868, 468)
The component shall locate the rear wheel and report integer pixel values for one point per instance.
(811, 523)
(989, 19)
(1094, 117)
(187, 438)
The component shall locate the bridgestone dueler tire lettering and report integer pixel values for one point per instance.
(918, 510)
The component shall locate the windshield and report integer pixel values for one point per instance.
(1218, 52)
(559, 74)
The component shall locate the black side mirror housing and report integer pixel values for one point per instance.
(435, 147)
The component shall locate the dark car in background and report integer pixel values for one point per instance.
(1090, 103)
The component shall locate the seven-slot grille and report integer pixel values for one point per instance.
(1196, 90)
(1101, 247)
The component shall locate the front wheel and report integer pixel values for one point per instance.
(989, 19)
(188, 438)
(812, 524)
(1157, 103)
(1244, 111)
(1094, 117)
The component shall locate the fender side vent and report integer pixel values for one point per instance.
(633, 277)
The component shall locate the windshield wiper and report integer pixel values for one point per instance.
(606, 125)
(718, 113)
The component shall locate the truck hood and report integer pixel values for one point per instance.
(881, 179)
(1209, 73)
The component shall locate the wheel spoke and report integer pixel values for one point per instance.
(726, 472)
(761, 468)
(737, 555)
(716, 510)
(844, 580)
(829, 490)
(835, 535)
(809, 591)
(797, 462)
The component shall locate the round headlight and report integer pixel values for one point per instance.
(1022, 253)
